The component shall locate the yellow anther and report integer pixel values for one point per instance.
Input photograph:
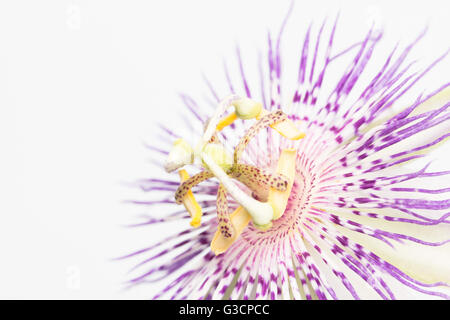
(286, 166)
(226, 121)
(286, 128)
(189, 202)
(239, 219)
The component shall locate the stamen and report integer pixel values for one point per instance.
(259, 191)
(257, 180)
(286, 128)
(188, 183)
(285, 167)
(239, 220)
(225, 226)
(190, 203)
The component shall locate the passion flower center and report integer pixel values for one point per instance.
(270, 191)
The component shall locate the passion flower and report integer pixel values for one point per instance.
(278, 217)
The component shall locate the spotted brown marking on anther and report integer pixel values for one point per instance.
(278, 181)
(264, 122)
(244, 172)
(225, 226)
(258, 181)
(189, 183)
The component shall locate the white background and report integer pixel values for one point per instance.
(81, 86)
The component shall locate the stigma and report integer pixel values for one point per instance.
(269, 191)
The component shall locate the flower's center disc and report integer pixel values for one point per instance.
(300, 201)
